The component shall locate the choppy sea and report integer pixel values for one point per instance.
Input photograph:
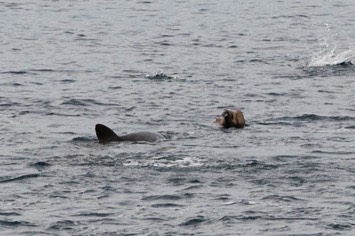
(172, 67)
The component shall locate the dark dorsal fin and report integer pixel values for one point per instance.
(105, 134)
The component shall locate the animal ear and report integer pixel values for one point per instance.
(105, 134)
(240, 118)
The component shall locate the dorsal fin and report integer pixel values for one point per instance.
(105, 134)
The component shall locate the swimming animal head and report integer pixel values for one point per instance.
(105, 135)
(231, 119)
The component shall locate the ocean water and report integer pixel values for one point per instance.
(172, 67)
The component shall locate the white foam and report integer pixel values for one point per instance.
(331, 58)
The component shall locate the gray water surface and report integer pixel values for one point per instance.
(172, 67)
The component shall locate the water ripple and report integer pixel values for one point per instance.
(15, 224)
(195, 221)
(18, 178)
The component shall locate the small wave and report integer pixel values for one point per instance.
(195, 221)
(94, 214)
(45, 70)
(83, 140)
(59, 114)
(79, 102)
(314, 117)
(9, 214)
(85, 102)
(15, 72)
(30, 71)
(240, 218)
(279, 198)
(333, 152)
(166, 205)
(277, 94)
(68, 81)
(341, 227)
(162, 197)
(22, 177)
(61, 225)
(8, 223)
(253, 216)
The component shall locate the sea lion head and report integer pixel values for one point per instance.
(231, 119)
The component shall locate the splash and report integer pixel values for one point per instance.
(328, 55)
(331, 59)
(161, 76)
